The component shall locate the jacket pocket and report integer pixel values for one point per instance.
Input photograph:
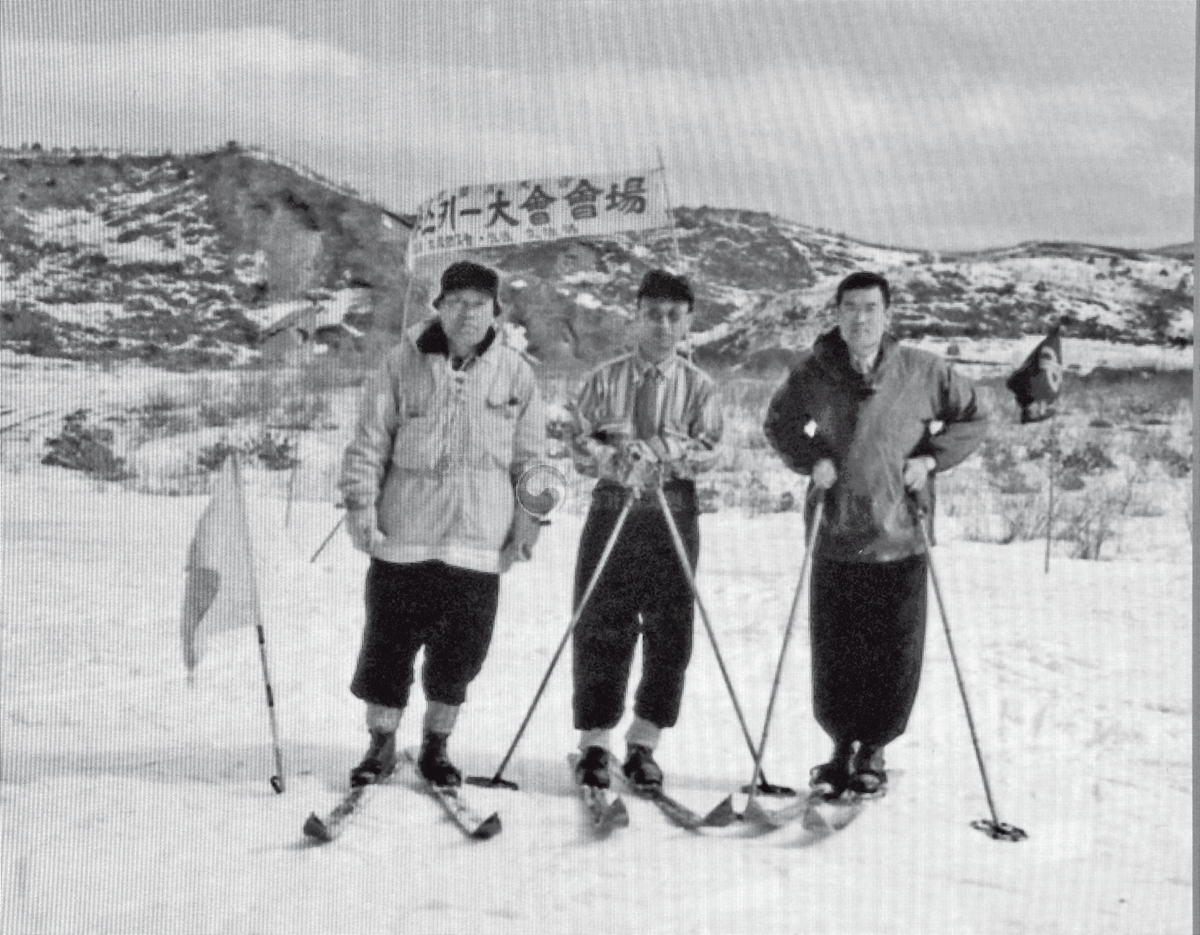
(497, 426)
(418, 444)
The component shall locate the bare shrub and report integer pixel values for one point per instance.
(274, 452)
(1156, 448)
(87, 448)
(1087, 524)
(292, 400)
(1004, 471)
(1093, 519)
(165, 413)
(1024, 517)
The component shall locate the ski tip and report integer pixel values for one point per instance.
(758, 815)
(615, 815)
(815, 822)
(488, 828)
(317, 829)
(723, 815)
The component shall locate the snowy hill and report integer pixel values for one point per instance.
(191, 260)
(133, 803)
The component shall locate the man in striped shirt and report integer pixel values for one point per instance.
(646, 419)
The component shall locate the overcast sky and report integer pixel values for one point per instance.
(939, 125)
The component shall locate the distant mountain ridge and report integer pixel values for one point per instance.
(196, 257)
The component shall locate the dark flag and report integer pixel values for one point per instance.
(1037, 382)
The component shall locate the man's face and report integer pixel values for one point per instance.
(662, 324)
(466, 315)
(863, 317)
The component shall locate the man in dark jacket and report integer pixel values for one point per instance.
(870, 422)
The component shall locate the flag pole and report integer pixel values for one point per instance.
(277, 782)
(1050, 498)
(291, 488)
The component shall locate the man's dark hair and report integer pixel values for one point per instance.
(864, 280)
(659, 284)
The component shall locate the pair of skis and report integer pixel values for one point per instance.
(470, 822)
(606, 813)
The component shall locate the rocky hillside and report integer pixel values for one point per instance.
(181, 259)
(194, 259)
(767, 283)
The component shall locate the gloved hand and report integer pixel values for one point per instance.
(917, 471)
(671, 451)
(637, 465)
(824, 474)
(522, 537)
(361, 525)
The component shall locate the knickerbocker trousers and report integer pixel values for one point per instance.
(644, 583)
(448, 610)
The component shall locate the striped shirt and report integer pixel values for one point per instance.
(686, 414)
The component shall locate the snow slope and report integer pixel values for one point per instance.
(132, 803)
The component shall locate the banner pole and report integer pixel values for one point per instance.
(662, 167)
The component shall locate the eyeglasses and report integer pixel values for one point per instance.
(464, 303)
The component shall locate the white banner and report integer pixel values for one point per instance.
(504, 214)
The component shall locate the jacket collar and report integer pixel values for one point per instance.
(642, 367)
(834, 356)
(433, 340)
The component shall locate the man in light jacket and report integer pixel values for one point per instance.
(870, 421)
(446, 427)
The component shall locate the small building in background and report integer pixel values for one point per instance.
(299, 329)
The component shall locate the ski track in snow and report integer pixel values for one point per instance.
(132, 803)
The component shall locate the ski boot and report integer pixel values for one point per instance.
(379, 761)
(829, 780)
(641, 770)
(592, 768)
(434, 764)
(869, 779)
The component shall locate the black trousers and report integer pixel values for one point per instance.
(642, 581)
(450, 611)
(867, 623)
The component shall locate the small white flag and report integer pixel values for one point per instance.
(221, 591)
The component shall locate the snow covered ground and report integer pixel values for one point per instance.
(133, 803)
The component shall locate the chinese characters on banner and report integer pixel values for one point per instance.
(504, 214)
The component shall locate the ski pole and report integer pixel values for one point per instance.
(321, 548)
(277, 780)
(805, 575)
(995, 828)
(496, 780)
(765, 787)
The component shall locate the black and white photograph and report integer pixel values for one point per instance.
(487, 467)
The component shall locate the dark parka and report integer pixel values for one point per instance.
(911, 404)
